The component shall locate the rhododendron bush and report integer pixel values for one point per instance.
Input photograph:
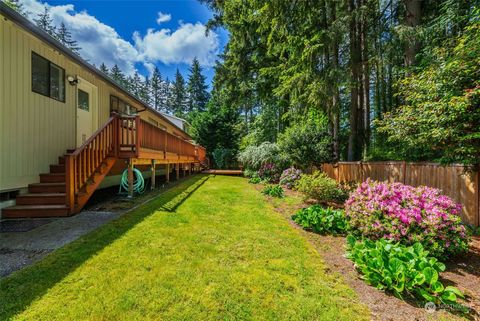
(407, 214)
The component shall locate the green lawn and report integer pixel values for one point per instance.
(211, 248)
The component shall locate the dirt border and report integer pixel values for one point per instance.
(382, 305)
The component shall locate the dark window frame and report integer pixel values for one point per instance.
(49, 76)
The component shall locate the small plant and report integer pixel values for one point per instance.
(289, 177)
(321, 188)
(254, 179)
(249, 173)
(401, 269)
(273, 190)
(322, 220)
(408, 215)
(270, 172)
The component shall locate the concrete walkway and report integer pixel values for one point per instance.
(19, 249)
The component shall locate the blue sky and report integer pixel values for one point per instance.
(138, 35)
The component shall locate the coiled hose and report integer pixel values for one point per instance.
(138, 182)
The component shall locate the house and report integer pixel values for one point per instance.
(67, 129)
(179, 122)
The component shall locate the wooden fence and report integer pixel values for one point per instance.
(454, 180)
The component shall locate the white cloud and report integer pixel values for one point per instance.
(180, 46)
(163, 17)
(101, 43)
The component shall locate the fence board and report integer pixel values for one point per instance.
(454, 180)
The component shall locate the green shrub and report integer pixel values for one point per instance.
(322, 220)
(321, 188)
(401, 269)
(253, 157)
(306, 144)
(273, 190)
(249, 173)
(255, 180)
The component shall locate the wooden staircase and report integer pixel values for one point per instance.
(70, 183)
(44, 199)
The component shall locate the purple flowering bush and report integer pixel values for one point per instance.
(407, 214)
(289, 177)
(269, 172)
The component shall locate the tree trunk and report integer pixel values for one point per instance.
(353, 141)
(413, 15)
(365, 77)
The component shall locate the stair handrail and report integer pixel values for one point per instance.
(99, 146)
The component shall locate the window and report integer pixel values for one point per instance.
(119, 106)
(83, 100)
(48, 79)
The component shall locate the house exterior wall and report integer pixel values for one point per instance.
(34, 129)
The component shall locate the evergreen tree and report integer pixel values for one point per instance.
(144, 91)
(17, 6)
(197, 89)
(178, 96)
(165, 96)
(65, 37)
(156, 89)
(104, 69)
(118, 75)
(45, 22)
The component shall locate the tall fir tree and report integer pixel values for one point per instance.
(17, 6)
(156, 89)
(104, 69)
(117, 75)
(178, 96)
(165, 96)
(197, 89)
(144, 91)
(45, 22)
(65, 37)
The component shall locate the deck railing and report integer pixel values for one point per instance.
(122, 137)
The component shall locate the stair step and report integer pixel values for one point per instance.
(19, 211)
(69, 151)
(47, 188)
(61, 160)
(52, 178)
(60, 168)
(41, 199)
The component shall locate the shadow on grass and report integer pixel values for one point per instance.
(21, 288)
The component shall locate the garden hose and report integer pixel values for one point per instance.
(138, 182)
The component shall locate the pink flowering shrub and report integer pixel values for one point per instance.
(269, 172)
(407, 214)
(290, 176)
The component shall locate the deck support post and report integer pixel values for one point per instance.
(184, 170)
(167, 177)
(177, 167)
(152, 187)
(130, 178)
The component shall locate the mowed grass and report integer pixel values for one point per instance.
(210, 248)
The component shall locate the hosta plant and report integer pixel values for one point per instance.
(322, 220)
(290, 176)
(407, 214)
(403, 270)
(273, 190)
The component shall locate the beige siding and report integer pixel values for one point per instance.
(35, 130)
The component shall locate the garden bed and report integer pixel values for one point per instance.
(463, 272)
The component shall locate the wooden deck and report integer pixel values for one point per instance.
(230, 172)
(80, 171)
